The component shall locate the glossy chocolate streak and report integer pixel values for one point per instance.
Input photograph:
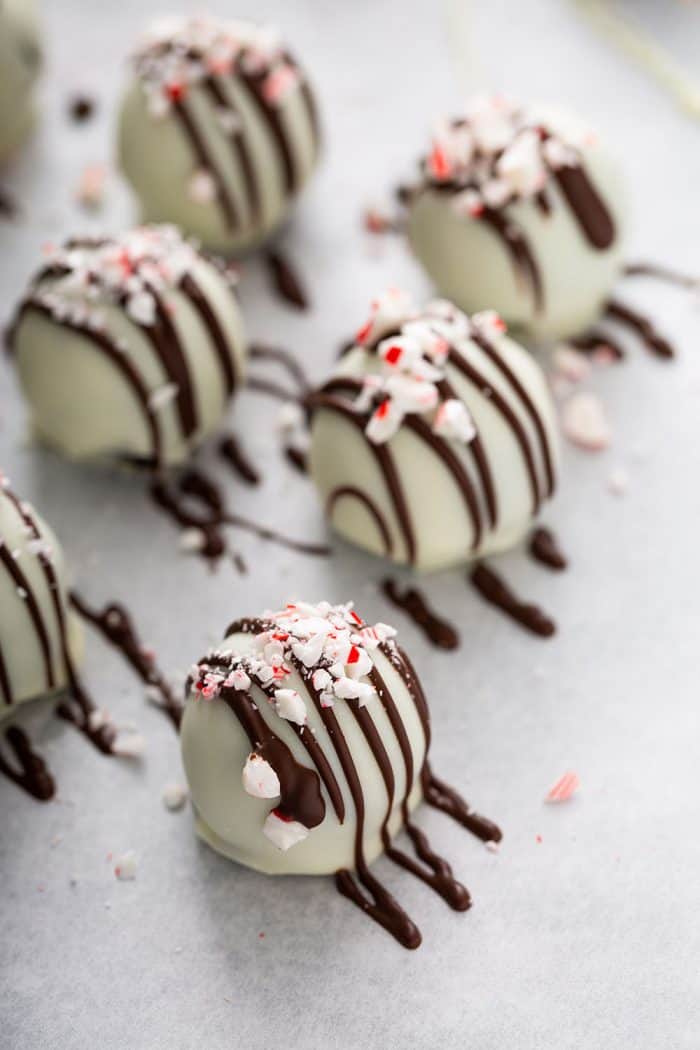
(496, 591)
(271, 115)
(480, 458)
(116, 625)
(544, 547)
(5, 687)
(121, 362)
(326, 399)
(300, 794)
(189, 125)
(443, 797)
(662, 273)
(596, 340)
(213, 515)
(509, 375)
(286, 281)
(166, 343)
(224, 351)
(239, 144)
(297, 458)
(439, 632)
(34, 777)
(588, 208)
(231, 450)
(501, 405)
(518, 248)
(352, 492)
(640, 324)
(23, 585)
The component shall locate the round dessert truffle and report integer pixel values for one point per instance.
(218, 131)
(435, 441)
(128, 347)
(281, 767)
(520, 210)
(305, 741)
(40, 639)
(20, 63)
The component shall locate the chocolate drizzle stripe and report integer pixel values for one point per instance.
(493, 355)
(518, 248)
(479, 456)
(501, 405)
(441, 796)
(353, 492)
(120, 360)
(165, 341)
(640, 324)
(191, 129)
(325, 399)
(261, 352)
(273, 118)
(239, 145)
(5, 686)
(35, 777)
(496, 591)
(217, 336)
(232, 451)
(438, 631)
(588, 208)
(21, 582)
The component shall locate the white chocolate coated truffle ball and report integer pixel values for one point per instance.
(20, 64)
(218, 131)
(129, 347)
(435, 441)
(520, 210)
(39, 635)
(289, 735)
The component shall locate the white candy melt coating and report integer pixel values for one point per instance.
(20, 644)
(20, 64)
(216, 749)
(342, 457)
(470, 264)
(80, 402)
(156, 153)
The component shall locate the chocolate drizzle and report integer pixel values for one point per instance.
(545, 548)
(352, 492)
(297, 459)
(495, 591)
(286, 280)
(640, 324)
(662, 273)
(594, 341)
(438, 631)
(231, 450)
(34, 776)
(518, 248)
(205, 160)
(587, 206)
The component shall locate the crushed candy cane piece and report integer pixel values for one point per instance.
(174, 796)
(91, 186)
(571, 364)
(618, 481)
(584, 422)
(259, 778)
(564, 789)
(192, 540)
(453, 420)
(290, 705)
(202, 187)
(163, 396)
(125, 867)
(132, 745)
(282, 831)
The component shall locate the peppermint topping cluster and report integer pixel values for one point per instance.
(129, 269)
(499, 152)
(179, 53)
(413, 364)
(330, 644)
(36, 546)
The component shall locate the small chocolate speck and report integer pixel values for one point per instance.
(81, 108)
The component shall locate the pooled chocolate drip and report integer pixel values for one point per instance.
(8, 206)
(286, 281)
(498, 593)
(34, 776)
(438, 631)
(261, 352)
(443, 797)
(587, 206)
(663, 273)
(297, 458)
(116, 625)
(213, 515)
(591, 342)
(641, 325)
(230, 449)
(545, 548)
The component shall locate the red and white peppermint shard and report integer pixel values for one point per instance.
(259, 778)
(282, 831)
(564, 789)
(384, 422)
(584, 423)
(453, 420)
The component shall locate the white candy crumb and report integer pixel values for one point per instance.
(584, 422)
(192, 540)
(571, 364)
(290, 705)
(618, 481)
(174, 796)
(131, 746)
(90, 189)
(284, 833)
(290, 416)
(202, 188)
(259, 778)
(493, 847)
(162, 396)
(125, 867)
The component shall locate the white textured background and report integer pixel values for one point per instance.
(590, 938)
